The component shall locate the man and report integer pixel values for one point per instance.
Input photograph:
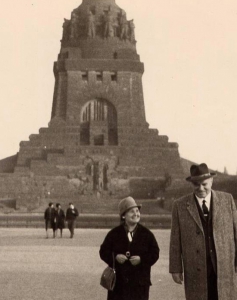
(71, 216)
(49, 216)
(203, 241)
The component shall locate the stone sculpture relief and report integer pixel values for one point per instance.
(109, 25)
(132, 31)
(74, 26)
(123, 26)
(66, 29)
(112, 27)
(97, 174)
(91, 30)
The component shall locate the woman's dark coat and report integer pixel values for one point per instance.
(49, 216)
(130, 280)
(60, 219)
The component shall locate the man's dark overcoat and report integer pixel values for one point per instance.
(71, 214)
(131, 280)
(188, 251)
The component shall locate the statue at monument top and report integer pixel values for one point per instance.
(98, 19)
(66, 29)
(74, 25)
(123, 25)
(132, 31)
(109, 24)
(93, 2)
(91, 31)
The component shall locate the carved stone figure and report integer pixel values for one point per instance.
(66, 29)
(132, 31)
(123, 26)
(109, 25)
(91, 25)
(74, 25)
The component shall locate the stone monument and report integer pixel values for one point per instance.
(98, 145)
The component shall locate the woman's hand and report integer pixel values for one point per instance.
(121, 258)
(135, 260)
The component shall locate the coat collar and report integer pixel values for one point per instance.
(216, 207)
(193, 210)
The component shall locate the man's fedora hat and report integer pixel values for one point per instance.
(200, 172)
(126, 204)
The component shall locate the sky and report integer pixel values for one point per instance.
(189, 49)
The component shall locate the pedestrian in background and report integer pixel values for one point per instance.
(71, 215)
(60, 219)
(134, 249)
(50, 221)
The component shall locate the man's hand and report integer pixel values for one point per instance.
(177, 277)
(135, 260)
(121, 258)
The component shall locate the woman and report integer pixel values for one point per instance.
(135, 250)
(60, 219)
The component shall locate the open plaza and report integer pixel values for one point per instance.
(36, 268)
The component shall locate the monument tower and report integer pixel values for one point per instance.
(98, 141)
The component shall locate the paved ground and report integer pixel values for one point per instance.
(35, 268)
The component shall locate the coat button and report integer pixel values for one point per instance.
(198, 269)
(197, 251)
(198, 232)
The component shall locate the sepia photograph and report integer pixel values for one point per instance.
(118, 157)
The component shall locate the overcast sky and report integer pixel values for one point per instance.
(189, 49)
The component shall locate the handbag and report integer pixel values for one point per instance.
(108, 277)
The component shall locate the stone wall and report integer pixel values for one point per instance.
(98, 145)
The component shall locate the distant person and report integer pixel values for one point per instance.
(135, 250)
(49, 216)
(60, 219)
(71, 215)
(203, 243)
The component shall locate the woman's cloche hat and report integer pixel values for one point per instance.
(127, 203)
(200, 172)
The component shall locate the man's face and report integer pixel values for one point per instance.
(202, 188)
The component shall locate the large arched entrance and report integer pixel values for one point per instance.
(98, 123)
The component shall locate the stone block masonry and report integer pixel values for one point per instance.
(98, 142)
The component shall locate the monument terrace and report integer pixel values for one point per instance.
(98, 146)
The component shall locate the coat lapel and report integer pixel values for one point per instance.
(193, 210)
(216, 208)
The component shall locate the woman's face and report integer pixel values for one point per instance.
(132, 216)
